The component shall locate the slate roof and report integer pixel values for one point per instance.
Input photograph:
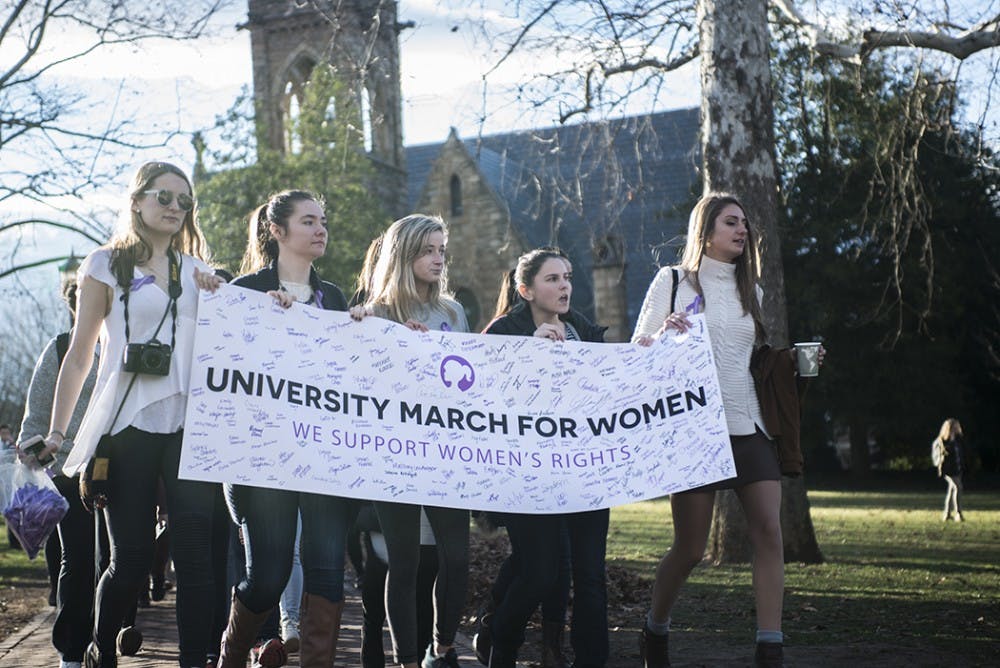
(634, 179)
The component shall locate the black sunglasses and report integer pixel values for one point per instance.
(164, 197)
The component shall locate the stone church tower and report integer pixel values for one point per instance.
(359, 38)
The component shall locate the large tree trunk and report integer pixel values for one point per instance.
(737, 135)
(729, 540)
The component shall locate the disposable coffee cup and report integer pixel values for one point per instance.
(808, 358)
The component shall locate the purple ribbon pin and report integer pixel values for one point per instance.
(695, 306)
(139, 282)
(445, 327)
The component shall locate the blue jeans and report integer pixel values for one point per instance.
(269, 519)
(291, 597)
(538, 541)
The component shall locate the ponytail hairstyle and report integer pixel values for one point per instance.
(524, 273)
(262, 247)
(701, 225)
(392, 285)
(364, 283)
(129, 246)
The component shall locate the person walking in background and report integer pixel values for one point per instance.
(948, 452)
(74, 620)
(6, 440)
(8, 453)
(286, 234)
(535, 301)
(409, 285)
(718, 275)
(139, 293)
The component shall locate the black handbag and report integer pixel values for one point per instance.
(94, 479)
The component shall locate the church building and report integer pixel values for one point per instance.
(613, 194)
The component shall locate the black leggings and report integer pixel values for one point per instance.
(137, 460)
(401, 529)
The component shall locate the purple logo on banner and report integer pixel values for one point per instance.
(456, 370)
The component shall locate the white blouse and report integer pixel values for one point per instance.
(730, 330)
(155, 403)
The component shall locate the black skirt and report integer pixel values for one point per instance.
(756, 458)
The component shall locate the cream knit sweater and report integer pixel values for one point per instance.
(730, 330)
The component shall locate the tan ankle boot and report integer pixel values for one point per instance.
(319, 628)
(240, 635)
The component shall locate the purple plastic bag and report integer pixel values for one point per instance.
(32, 506)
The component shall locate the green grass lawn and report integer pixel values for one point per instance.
(894, 573)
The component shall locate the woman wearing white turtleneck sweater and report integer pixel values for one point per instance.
(717, 276)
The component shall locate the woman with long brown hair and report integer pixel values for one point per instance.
(139, 293)
(286, 235)
(718, 276)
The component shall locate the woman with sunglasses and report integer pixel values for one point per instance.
(138, 291)
(288, 233)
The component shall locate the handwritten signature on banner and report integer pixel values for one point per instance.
(309, 400)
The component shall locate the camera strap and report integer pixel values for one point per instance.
(174, 290)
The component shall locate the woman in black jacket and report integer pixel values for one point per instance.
(535, 301)
(286, 235)
(949, 457)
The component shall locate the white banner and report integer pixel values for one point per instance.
(310, 400)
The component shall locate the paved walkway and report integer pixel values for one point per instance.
(32, 647)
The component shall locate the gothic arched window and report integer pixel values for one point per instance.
(456, 195)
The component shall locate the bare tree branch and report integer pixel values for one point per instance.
(52, 223)
(984, 35)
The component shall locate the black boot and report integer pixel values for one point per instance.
(482, 642)
(129, 641)
(552, 636)
(769, 655)
(94, 658)
(500, 658)
(653, 649)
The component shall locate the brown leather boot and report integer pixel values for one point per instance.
(552, 636)
(319, 628)
(653, 649)
(240, 635)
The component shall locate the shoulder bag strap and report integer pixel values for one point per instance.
(673, 289)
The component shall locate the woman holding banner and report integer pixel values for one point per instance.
(409, 285)
(535, 301)
(287, 233)
(717, 276)
(139, 293)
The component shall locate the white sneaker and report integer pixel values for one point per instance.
(70, 664)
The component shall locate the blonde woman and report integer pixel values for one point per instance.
(718, 276)
(949, 457)
(409, 285)
(142, 289)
